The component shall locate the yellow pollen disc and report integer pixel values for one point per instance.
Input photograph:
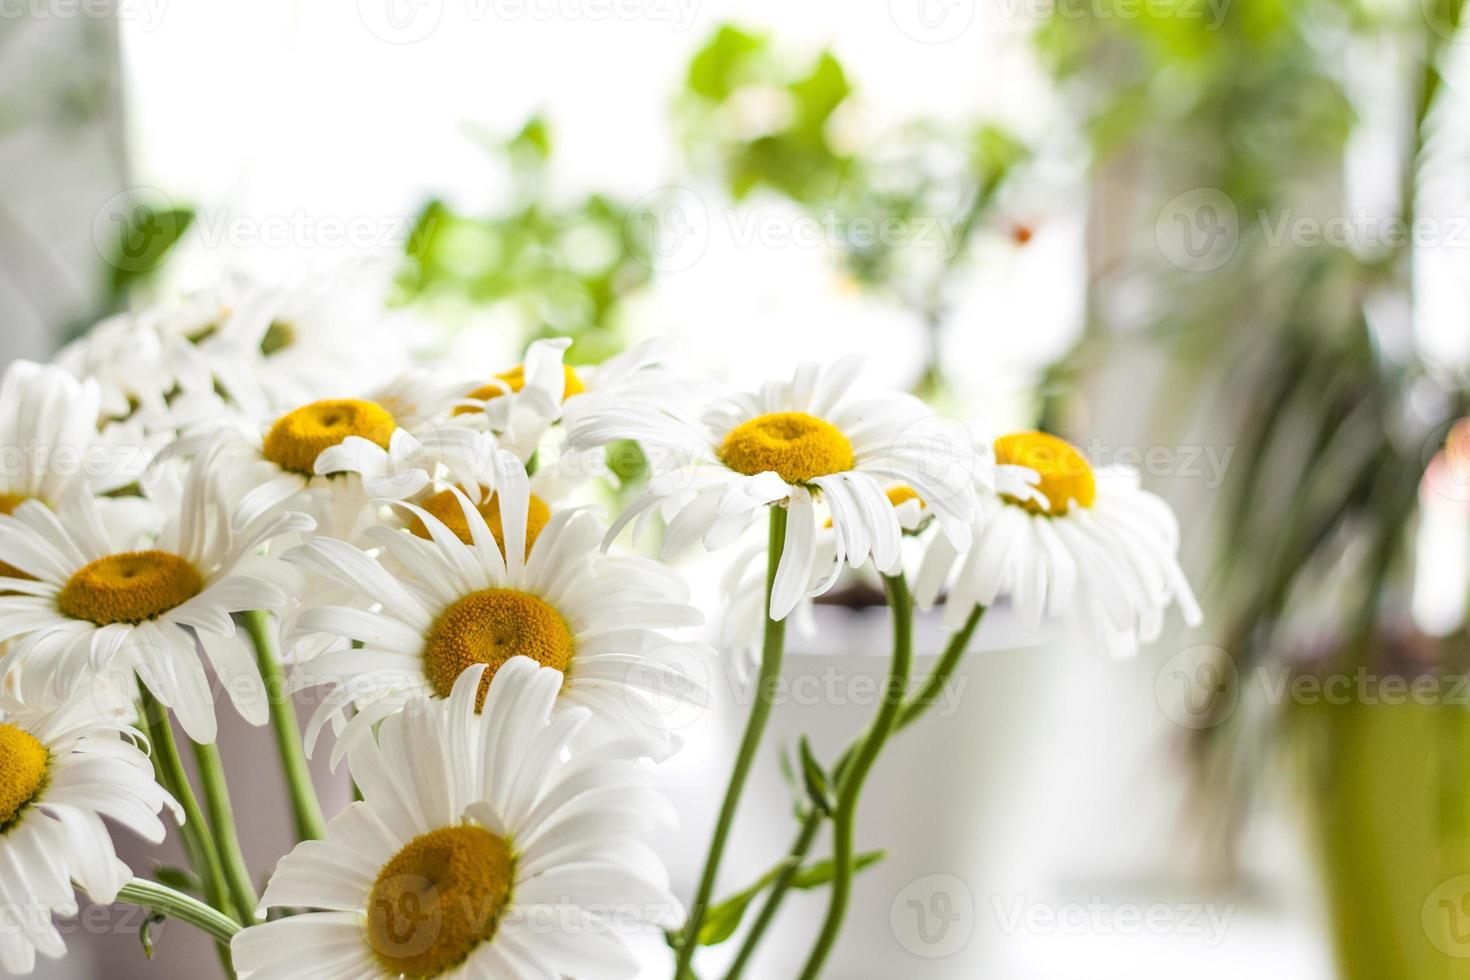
(795, 446)
(8, 503)
(129, 588)
(22, 771)
(1065, 474)
(437, 899)
(490, 627)
(515, 380)
(299, 436)
(445, 506)
(903, 494)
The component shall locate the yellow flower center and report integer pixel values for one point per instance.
(515, 380)
(1066, 477)
(490, 627)
(795, 446)
(23, 762)
(129, 588)
(8, 503)
(902, 494)
(445, 506)
(437, 899)
(299, 436)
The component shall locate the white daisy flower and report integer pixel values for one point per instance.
(385, 444)
(460, 463)
(552, 596)
(145, 360)
(49, 443)
(61, 772)
(743, 586)
(48, 424)
(794, 444)
(521, 404)
(482, 848)
(97, 598)
(1084, 542)
(296, 343)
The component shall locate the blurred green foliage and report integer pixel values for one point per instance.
(565, 268)
(757, 120)
(145, 238)
(765, 121)
(1332, 415)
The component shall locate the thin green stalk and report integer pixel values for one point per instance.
(305, 808)
(760, 712)
(924, 698)
(851, 786)
(175, 904)
(227, 837)
(799, 848)
(199, 841)
(914, 708)
(170, 766)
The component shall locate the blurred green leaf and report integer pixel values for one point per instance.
(814, 779)
(144, 240)
(717, 68)
(820, 873)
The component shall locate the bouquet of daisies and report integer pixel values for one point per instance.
(252, 494)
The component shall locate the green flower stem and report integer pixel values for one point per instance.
(227, 837)
(305, 808)
(923, 699)
(198, 839)
(760, 712)
(779, 887)
(174, 904)
(914, 708)
(856, 772)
